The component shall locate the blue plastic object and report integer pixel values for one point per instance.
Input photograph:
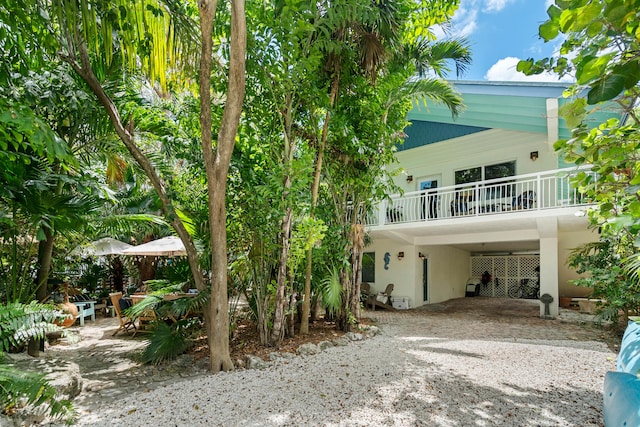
(621, 400)
(629, 356)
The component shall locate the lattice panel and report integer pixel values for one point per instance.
(486, 290)
(512, 266)
(507, 272)
(512, 285)
(528, 266)
(499, 290)
(481, 264)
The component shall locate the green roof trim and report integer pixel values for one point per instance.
(519, 106)
(422, 133)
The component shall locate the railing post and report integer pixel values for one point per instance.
(382, 212)
(476, 198)
(539, 192)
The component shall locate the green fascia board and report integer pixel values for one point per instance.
(519, 106)
(527, 114)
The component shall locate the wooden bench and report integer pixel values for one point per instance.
(85, 309)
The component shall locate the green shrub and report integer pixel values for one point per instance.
(20, 323)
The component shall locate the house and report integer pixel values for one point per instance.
(485, 194)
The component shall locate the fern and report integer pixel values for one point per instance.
(20, 323)
(32, 389)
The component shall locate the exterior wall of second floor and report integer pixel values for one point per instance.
(441, 160)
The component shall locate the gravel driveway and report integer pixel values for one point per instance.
(467, 362)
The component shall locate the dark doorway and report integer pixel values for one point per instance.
(425, 279)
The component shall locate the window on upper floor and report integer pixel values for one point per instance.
(496, 189)
(483, 173)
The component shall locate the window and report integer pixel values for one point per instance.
(369, 267)
(483, 173)
(495, 190)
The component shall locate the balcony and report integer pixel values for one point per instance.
(503, 196)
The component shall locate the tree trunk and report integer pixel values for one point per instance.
(342, 317)
(117, 274)
(279, 316)
(277, 334)
(217, 167)
(45, 253)
(357, 241)
(84, 70)
(315, 189)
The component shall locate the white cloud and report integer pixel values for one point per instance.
(465, 20)
(495, 5)
(505, 70)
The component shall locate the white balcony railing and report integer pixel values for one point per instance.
(536, 191)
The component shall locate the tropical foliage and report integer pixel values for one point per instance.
(20, 323)
(269, 202)
(600, 40)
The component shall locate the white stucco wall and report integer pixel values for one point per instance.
(448, 271)
(402, 273)
(566, 243)
(479, 149)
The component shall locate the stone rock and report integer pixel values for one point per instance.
(254, 362)
(67, 380)
(353, 336)
(308, 349)
(341, 342)
(274, 356)
(287, 355)
(371, 331)
(323, 345)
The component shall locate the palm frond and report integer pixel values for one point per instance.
(19, 387)
(429, 89)
(632, 268)
(434, 57)
(332, 291)
(166, 343)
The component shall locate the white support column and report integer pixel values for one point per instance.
(548, 231)
(552, 121)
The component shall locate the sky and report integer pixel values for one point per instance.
(501, 32)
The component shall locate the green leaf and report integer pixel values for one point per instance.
(573, 112)
(524, 65)
(594, 28)
(592, 67)
(549, 30)
(586, 15)
(567, 19)
(631, 72)
(606, 89)
(554, 12)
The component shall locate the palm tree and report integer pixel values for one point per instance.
(379, 41)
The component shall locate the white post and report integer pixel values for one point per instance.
(548, 232)
(552, 121)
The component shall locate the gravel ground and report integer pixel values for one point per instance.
(404, 376)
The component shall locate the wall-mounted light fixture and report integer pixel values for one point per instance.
(400, 256)
(409, 178)
(420, 255)
(533, 155)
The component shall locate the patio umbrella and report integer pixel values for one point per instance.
(167, 246)
(101, 247)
